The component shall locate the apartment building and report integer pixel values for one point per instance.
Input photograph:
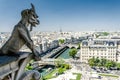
(101, 48)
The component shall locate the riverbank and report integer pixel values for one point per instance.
(54, 52)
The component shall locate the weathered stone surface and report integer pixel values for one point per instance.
(11, 64)
(6, 59)
(31, 74)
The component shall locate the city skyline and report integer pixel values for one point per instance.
(68, 15)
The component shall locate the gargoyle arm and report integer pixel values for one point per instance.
(26, 36)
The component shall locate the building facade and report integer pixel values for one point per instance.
(101, 48)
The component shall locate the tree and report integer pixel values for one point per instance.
(79, 46)
(99, 64)
(60, 70)
(118, 65)
(67, 66)
(103, 62)
(110, 64)
(73, 52)
(61, 41)
(97, 61)
(29, 66)
(91, 62)
(94, 62)
(59, 62)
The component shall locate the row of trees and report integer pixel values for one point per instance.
(105, 33)
(103, 63)
(102, 34)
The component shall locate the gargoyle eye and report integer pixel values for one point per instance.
(36, 16)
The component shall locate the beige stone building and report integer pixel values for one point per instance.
(101, 48)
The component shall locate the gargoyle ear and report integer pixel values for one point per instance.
(33, 8)
(24, 12)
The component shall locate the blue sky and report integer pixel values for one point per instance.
(70, 15)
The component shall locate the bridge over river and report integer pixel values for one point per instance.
(50, 61)
(72, 45)
(56, 52)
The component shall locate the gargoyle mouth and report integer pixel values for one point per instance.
(33, 24)
(33, 21)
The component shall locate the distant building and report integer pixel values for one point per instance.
(101, 48)
(53, 44)
(44, 45)
(41, 50)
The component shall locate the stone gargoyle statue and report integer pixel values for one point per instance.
(21, 35)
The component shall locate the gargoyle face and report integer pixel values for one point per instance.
(32, 18)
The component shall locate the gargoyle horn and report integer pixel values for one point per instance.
(33, 8)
